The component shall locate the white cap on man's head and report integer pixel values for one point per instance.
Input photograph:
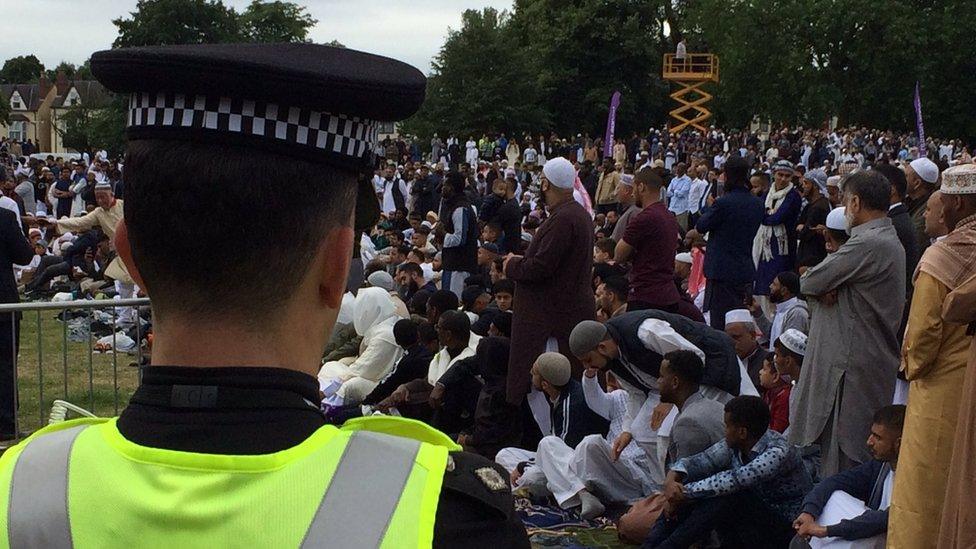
(683, 257)
(926, 169)
(836, 219)
(560, 172)
(739, 316)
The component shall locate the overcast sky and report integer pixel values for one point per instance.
(70, 30)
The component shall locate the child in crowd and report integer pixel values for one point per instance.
(504, 294)
(603, 251)
(835, 231)
(789, 350)
(491, 233)
(776, 395)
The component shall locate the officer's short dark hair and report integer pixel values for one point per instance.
(262, 215)
(872, 187)
(749, 412)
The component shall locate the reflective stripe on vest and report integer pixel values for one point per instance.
(354, 513)
(37, 515)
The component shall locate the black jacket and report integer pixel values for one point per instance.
(412, 365)
(14, 249)
(906, 235)
(572, 420)
(866, 483)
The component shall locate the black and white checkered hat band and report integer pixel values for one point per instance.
(336, 134)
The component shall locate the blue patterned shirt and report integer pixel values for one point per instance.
(774, 471)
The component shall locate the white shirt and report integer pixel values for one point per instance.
(9, 204)
(530, 155)
(698, 189)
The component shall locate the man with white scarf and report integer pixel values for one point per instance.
(774, 247)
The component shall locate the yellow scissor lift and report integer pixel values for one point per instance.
(690, 73)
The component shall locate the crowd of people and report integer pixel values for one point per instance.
(735, 337)
(738, 338)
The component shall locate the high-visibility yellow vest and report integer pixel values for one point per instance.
(82, 484)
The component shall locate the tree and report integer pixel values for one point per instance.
(71, 72)
(481, 81)
(21, 70)
(276, 22)
(84, 128)
(165, 22)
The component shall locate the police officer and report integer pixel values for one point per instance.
(241, 186)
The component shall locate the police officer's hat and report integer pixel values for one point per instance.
(308, 101)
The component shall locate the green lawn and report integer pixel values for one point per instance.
(90, 382)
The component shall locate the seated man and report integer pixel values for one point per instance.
(698, 425)
(412, 364)
(594, 467)
(571, 421)
(416, 398)
(633, 345)
(853, 505)
(747, 487)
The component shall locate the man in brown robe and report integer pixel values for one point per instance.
(958, 512)
(934, 362)
(553, 292)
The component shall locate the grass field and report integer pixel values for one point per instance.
(90, 381)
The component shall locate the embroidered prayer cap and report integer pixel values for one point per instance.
(794, 340)
(959, 179)
(103, 186)
(736, 316)
(627, 179)
(834, 181)
(847, 168)
(926, 169)
(783, 166)
(836, 219)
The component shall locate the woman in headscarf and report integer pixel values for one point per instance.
(349, 380)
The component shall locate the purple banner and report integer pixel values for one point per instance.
(611, 124)
(918, 122)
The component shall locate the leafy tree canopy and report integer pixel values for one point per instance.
(21, 70)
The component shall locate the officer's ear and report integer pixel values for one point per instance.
(334, 257)
(125, 252)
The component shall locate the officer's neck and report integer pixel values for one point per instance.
(289, 344)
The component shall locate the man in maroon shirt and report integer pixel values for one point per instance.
(649, 244)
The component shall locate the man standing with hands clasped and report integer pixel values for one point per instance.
(552, 280)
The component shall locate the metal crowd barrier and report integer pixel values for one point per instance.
(35, 312)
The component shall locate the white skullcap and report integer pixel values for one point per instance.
(560, 172)
(794, 340)
(834, 181)
(836, 219)
(926, 169)
(683, 257)
(627, 179)
(381, 279)
(739, 316)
